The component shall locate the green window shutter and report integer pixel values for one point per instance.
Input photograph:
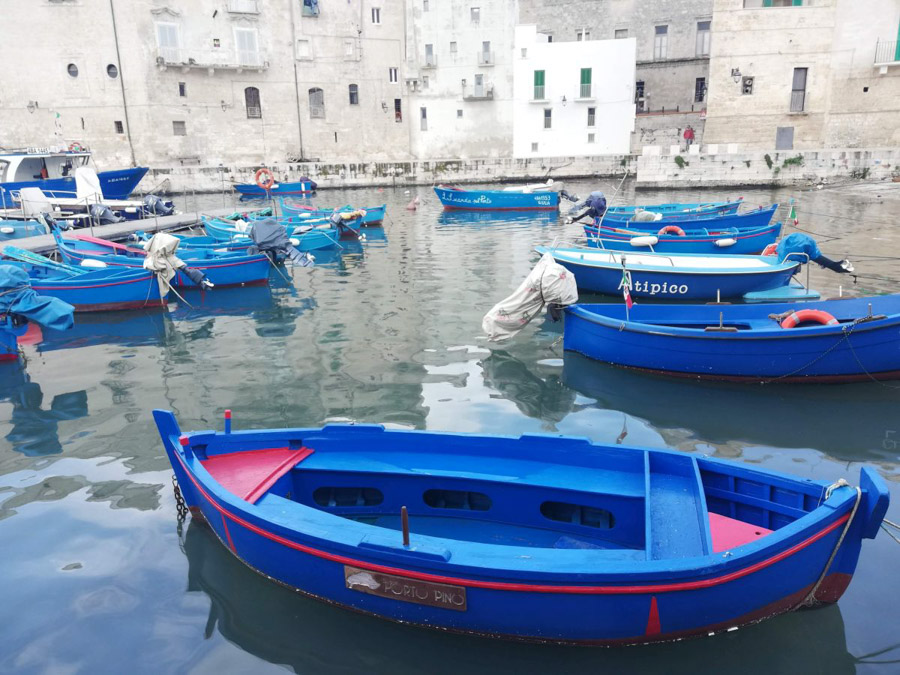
(585, 76)
(539, 78)
(767, 3)
(798, 3)
(897, 48)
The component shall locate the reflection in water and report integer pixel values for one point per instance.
(852, 422)
(548, 400)
(478, 218)
(35, 430)
(283, 627)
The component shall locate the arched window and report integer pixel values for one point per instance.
(354, 94)
(251, 99)
(316, 102)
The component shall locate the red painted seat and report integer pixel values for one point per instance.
(728, 533)
(251, 473)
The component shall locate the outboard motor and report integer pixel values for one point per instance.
(799, 243)
(103, 215)
(270, 237)
(592, 207)
(157, 206)
(312, 184)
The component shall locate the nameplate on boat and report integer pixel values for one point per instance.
(405, 589)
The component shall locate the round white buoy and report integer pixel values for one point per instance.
(7, 230)
(94, 264)
(294, 241)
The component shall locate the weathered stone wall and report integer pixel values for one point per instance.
(808, 167)
(665, 129)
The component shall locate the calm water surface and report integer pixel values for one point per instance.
(97, 576)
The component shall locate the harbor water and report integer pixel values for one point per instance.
(99, 577)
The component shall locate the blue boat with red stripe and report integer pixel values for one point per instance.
(758, 217)
(674, 239)
(543, 538)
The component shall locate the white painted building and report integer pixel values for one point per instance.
(572, 98)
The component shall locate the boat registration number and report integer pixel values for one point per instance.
(405, 589)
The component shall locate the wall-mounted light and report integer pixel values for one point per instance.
(224, 105)
(464, 82)
(736, 75)
(32, 106)
(563, 100)
(383, 106)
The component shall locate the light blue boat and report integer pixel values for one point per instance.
(706, 208)
(675, 276)
(708, 241)
(374, 214)
(516, 198)
(756, 218)
(19, 229)
(309, 238)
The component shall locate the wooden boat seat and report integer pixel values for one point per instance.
(249, 474)
(677, 518)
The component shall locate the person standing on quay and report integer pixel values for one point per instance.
(689, 135)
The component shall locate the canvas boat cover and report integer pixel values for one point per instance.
(17, 297)
(549, 283)
(161, 259)
(270, 237)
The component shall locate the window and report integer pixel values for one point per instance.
(746, 85)
(750, 4)
(458, 113)
(534, 147)
(621, 33)
(310, 8)
(453, 49)
(592, 117)
(639, 94)
(586, 88)
(424, 5)
(120, 128)
(376, 15)
(398, 111)
(582, 35)
(660, 42)
(700, 90)
(429, 55)
(703, 38)
(217, 43)
(348, 48)
(798, 90)
(392, 75)
(423, 116)
(179, 128)
(475, 13)
(303, 49)
(112, 71)
(548, 118)
(354, 94)
(182, 88)
(316, 103)
(539, 85)
(591, 138)
(72, 69)
(247, 47)
(168, 42)
(424, 82)
(485, 56)
(457, 499)
(479, 86)
(251, 101)
(549, 37)
(576, 514)
(524, 52)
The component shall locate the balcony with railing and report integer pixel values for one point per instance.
(211, 59)
(887, 54)
(243, 6)
(483, 92)
(539, 94)
(585, 92)
(430, 61)
(485, 58)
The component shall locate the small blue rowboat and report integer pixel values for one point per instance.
(756, 218)
(88, 290)
(253, 191)
(851, 340)
(545, 538)
(709, 208)
(675, 276)
(374, 214)
(708, 241)
(19, 229)
(308, 237)
(221, 268)
(518, 198)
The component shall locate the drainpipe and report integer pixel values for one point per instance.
(296, 78)
(112, 12)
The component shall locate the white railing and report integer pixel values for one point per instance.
(886, 52)
(210, 58)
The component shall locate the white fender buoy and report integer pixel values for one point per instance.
(647, 240)
(294, 241)
(723, 243)
(94, 264)
(7, 230)
(413, 205)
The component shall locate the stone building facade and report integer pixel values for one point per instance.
(805, 74)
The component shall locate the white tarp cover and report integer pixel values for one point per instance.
(161, 259)
(549, 282)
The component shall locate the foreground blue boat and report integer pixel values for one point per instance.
(679, 276)
(708, 208)
(827, 341)
(707, 241)
(537, 538)
(518, 198)
(374, 214)
(715, 221)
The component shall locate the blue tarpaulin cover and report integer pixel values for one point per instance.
(17, 297)
(798, 243)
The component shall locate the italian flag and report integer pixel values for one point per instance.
(626, 287)
(793, 215)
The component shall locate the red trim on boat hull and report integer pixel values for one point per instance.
(502, 208)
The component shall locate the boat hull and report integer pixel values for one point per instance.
(425, 585)
(694, 221)
(253, 191)
(312, 240)
(101, 292)
(497, 200)
(747, 241)
(871, 350)
(374, 215)
(9, 338)
(707, 208)
(118, 184)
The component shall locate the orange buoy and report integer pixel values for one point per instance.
(770, 249)
(671, 229)
(819, 316)
(269, 178)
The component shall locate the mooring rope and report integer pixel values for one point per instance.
(884, 526)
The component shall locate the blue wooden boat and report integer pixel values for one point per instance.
(679, 276)
(517, 198)
(10, 332)
(221, 268)
(189, 242)
(374, 214)
(708, 241)
(253, 191)
(709, 208)
(308, 237)
(19, 229)
(756, 218)
(542, 538)
(860, 342)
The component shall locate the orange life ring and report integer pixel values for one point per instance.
(671, 229)
(794, 319)
(270, 178)
(770, 249)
